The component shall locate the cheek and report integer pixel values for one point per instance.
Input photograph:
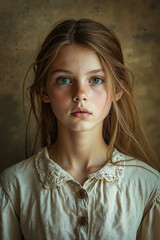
(58, 98)
(58, 103)
(102, 101)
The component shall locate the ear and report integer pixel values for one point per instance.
(43, 95)
(119, 95)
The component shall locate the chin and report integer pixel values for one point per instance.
(82, 127)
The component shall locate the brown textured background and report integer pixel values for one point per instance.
(23, 25)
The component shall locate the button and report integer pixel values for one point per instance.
(82, 221)
(82, 194)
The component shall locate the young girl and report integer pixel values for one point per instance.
(95, 177)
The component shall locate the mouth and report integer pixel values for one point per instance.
(80, 110)
(81, 113)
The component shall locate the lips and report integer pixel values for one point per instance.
(80, 110)
(81, 113)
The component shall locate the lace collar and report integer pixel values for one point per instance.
(52, 175)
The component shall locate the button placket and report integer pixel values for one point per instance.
(82, 213)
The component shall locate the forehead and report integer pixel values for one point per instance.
(76, 57)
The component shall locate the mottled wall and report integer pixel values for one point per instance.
(24, 25)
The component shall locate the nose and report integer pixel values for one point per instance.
(80, 95)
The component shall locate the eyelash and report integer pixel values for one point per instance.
(63, 78)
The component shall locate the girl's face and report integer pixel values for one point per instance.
(77, 89)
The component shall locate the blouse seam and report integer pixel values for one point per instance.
(7, 192)
(152, 197)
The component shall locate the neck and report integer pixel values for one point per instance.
(79, 150)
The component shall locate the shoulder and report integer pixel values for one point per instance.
(140, 178)
(18, 170)
(20, 175)
(133, 165)
(141, 170)
(135, 168)
(17, 183)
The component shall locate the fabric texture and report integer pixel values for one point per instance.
(40, 200)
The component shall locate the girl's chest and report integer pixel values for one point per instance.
(63, 213)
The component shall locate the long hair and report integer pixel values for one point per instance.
(122, 128)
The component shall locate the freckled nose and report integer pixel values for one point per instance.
(80, 95)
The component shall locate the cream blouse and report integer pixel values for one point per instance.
(41, 201)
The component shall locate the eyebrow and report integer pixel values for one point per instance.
(67, 71)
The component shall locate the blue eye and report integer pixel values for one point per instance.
(96, 80)
(63, 80)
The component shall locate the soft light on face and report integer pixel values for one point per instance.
(77, 80)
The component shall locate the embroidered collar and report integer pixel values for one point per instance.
(52, 175)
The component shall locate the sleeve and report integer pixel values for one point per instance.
(150, 226)
(9, 222)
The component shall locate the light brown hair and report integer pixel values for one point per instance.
(122, 128)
